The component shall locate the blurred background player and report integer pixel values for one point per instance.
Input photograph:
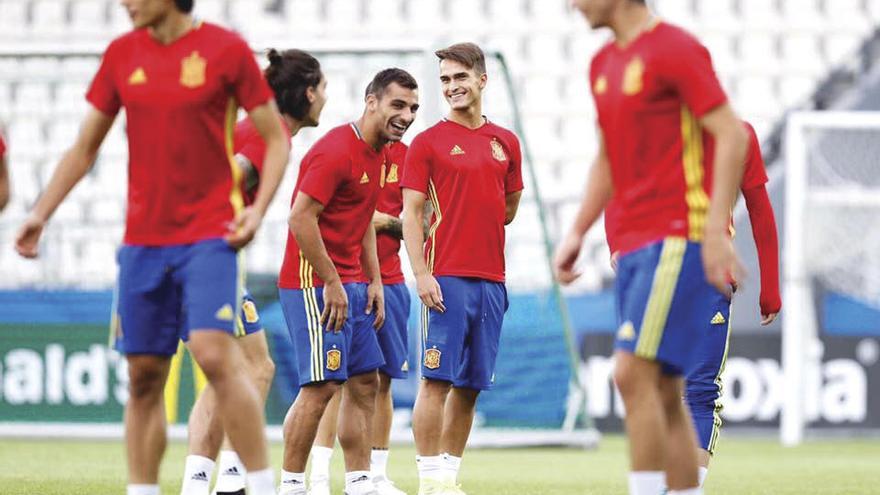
(655, 92)
(185, 218)
(4, 174)
(392, 336)
(299, 86)
(464, 164)
(703, 384)
(330, 313)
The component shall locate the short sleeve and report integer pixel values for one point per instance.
(102, 93)
(249, 86)
(755, 174)
(325, 172)
(254, 149)
(513, 182)
(689, 70)
(417, 168)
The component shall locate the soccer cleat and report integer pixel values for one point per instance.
(433, 487)
(292, 488)
(319, 487)
(453, 489)
(384, 486)
(237, 492)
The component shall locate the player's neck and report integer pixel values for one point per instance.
(629, 22)
(471, 117)
(371, 134)
(172, 27)
(293, 125)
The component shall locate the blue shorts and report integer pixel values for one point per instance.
(165, 292)
(322, 355)
(703, 382)
(393, 338)
(461, 344)
(665, 303)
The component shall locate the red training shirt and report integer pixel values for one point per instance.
(180, 102)
(649, 96)
(467, 175)
(250, 144)
(391, 202)
(342, 172)
(2, 146)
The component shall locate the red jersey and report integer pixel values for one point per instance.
(180, 102)
(343, 173)
(2, 146)
(467, 175)
(250, 144)
(649, 96)
(391, 202)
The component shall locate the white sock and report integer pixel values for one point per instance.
(704, 471)
(197, 475)
(142, 490)
(379, 464)
(451, 466)
(430, 467)
(359, 483)
(261, 482)
(320, 463)
(646, 482)
(292, 482)
(231, 474)
(690, 491)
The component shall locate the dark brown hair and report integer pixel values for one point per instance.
(184, 6)
(468, 54)
(386, 77)
(290, 74)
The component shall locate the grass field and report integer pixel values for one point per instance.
(742, 467)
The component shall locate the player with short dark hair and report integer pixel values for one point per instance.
(330, 313)
(470, 170)
(658, 99)
(181, 82)
(299, 86)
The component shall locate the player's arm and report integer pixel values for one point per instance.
(388, 224)
(303, 224)
(265, 120)
(414, 240)
(598, 192)
(4, 183)
(731, 142)
(767, 243)
(375, 290)
(511, 205)
(73, 166)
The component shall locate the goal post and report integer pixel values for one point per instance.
(832, 200)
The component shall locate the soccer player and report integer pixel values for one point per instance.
(393, 338)
(703, 383)
(332, 316)
(657, 98)
(181, 82)
(4, 175)
(470, 170)
(299, 86)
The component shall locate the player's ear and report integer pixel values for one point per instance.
(372, 102)
(484, 78)
(310, 94)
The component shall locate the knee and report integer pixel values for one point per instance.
(318, 394)
(264, 371)
(364, 387)
(213, 362)
(384, 387)
(146, 382)
(626, 379)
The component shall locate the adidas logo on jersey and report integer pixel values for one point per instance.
(137, 77)
(718, 319)
(456, 150)
(365, 178)
(200, 476)
(225, 313)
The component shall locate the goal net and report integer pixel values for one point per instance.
(832, 243)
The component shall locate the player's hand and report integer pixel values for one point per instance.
(376, 300)
(720, 262)
(335, 306)
(768, 318)
(243, 228)
(430, 293)
(615, 257)
(566, 254)
(28, 238)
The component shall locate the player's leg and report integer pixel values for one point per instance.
(320, 364)
(145, 430)
(205, 435)
(322, 449)
(209, 275)
(358, 402)
(680, 456)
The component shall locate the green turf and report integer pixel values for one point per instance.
(741, 467)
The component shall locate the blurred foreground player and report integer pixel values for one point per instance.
(181, 82)
(332, 316)
(299, 86)
(470, 170)
(4, 175)
(656, 94)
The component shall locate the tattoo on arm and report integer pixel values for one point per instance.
(394, 227)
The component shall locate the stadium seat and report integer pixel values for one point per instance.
(89, 17)
(14, 18)
(49, 18)
(802, 54)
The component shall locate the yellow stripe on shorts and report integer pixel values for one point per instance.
(660, 299)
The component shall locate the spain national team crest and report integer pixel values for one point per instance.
(432, 359)
(632, 77)
(392, 174)
(382, 178)
(498, 151)
(250, 312)
(192, 70)
(334, 359)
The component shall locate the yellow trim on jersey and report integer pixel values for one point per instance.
(235, 197)
(438, 217)
(426, 319)
(172, 384)
(692, 159)
(716, 414)
(316, 338)
(660, 299)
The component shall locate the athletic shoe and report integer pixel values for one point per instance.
(384, 486)
(319, 487)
